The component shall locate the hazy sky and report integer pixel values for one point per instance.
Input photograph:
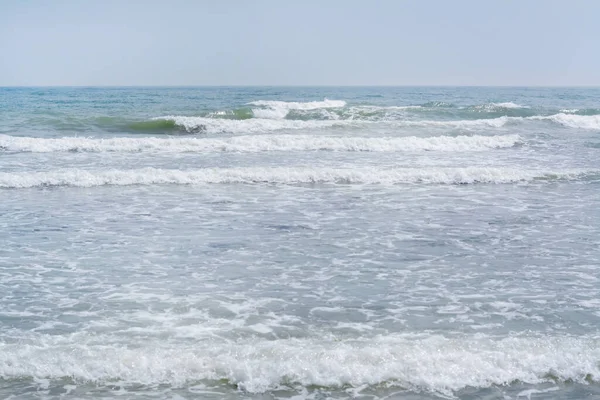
(308, 42)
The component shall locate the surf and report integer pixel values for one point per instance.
(429, 363)
(287, 176)
(259, 143)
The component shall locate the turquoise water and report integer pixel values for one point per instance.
(399, 243)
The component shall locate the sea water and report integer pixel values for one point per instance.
(299, 243)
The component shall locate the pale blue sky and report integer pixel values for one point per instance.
(309, 42)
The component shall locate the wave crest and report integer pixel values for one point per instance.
(496, 107)
(590, 122)
(258, 143)
(253, 125)
(434, 364)
(240, 122)
(282, 175)
(273, 109)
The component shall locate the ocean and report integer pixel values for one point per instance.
(300, 243)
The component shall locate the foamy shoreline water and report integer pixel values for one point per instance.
(299, 243)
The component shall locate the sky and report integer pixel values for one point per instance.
(290, 42)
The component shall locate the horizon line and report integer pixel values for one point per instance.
(300, 86)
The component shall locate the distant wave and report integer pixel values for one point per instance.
(432, 363)
(284, 175)
(254, 125)
(484, 106)
(581, 111)
(263, 125)
(493, 107)
(279, 109)
(282, 109)
(265, 116)
(438, 104)
(258, 125)
(257, 143)
(351, 118)
(574, 121)
(309, 105)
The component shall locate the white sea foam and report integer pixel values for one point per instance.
(273, 109)
(575, 121)
(435, 364)
(257, 143)
(509, 104)
(474, 123)
(371, 108)
(265, 125)
(499, 106)
(415, 107)
(281, 175)
(568, 120)
(310, 105)
(486, 106)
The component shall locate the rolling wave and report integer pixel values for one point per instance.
(284, 176)
(261, 125)
(265, 116)
(433, 364)
(279, 109)
(337, 109)
(258, 143)
(254, 125)
(156, 125)
(310, 105)
(591, 122)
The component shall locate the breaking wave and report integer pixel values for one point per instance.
(433, 364)
(258, 143)
(264, 116)
(284, 175)
(495, 107)
(258, 125)
(263, 125)
(575, 121)
(279, 109)
(253, 125)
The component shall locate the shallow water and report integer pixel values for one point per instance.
(409, 243)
